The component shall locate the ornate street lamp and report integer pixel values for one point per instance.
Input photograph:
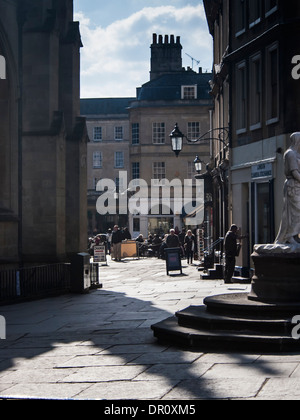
(176, 140)
(216, 134)
(198, 165)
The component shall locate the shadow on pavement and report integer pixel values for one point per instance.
(103, 346)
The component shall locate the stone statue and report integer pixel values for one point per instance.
(290, 225)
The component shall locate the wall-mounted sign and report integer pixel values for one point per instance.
(263, 170)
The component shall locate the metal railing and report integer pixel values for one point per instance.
(213, 245)
(32, 282)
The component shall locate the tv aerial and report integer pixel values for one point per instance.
(193, 60)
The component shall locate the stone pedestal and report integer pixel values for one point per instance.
(277, 274)
(259, 321)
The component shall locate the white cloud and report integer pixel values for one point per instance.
(116, 58)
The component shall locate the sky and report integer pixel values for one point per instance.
(117, 35)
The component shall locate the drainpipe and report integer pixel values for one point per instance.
(211, 127)
(21, 20)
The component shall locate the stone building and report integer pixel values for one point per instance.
(256, 89)
(173, 95)
(129, 142)
(43, 138)
(108, 154)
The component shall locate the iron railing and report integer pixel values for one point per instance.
(32, 282)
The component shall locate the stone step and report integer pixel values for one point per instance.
(232, 320)
(239, 303)
(241, 280)
(199, 317)
(169, 331)
(211, 276)
(213, 273)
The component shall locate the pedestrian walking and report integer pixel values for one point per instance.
(232, 250)
(116, 241)
(172, 240)
(189, 246)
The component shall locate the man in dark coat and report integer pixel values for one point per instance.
(172, 240)
(116, 242)
(231, 252)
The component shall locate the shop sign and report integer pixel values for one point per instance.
(99, 254)
(263, 170)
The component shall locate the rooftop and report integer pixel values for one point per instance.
(105, 106)
(168, 87)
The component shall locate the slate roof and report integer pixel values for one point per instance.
(168, 86)
(105, 106)
(165, 88)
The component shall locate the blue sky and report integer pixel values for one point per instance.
(117, 36)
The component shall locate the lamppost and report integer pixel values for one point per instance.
(216, 134)
(177, 140)
(198, 165)
(215, 178)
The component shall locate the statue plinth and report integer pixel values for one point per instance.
(277, 274)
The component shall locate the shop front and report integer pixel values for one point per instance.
(256, 194)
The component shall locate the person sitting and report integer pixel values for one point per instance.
(141, 245)
(156, 244)
(140, 238)
(126, 234)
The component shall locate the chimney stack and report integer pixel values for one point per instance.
(166, 55)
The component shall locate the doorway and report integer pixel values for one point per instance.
(263, 212)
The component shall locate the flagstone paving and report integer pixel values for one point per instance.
(100, 345)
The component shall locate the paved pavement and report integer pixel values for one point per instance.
(100, 345)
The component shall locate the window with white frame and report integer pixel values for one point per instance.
(241, 97)
(119, 136)
(272, 81)
(189, 92)
(255, 91)
(159, 171)
(135, 170)
(97, 134)
(135, 167)
(119, 160)
(193, 130)
(97, 160)
(158, 133)
(135, 133)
